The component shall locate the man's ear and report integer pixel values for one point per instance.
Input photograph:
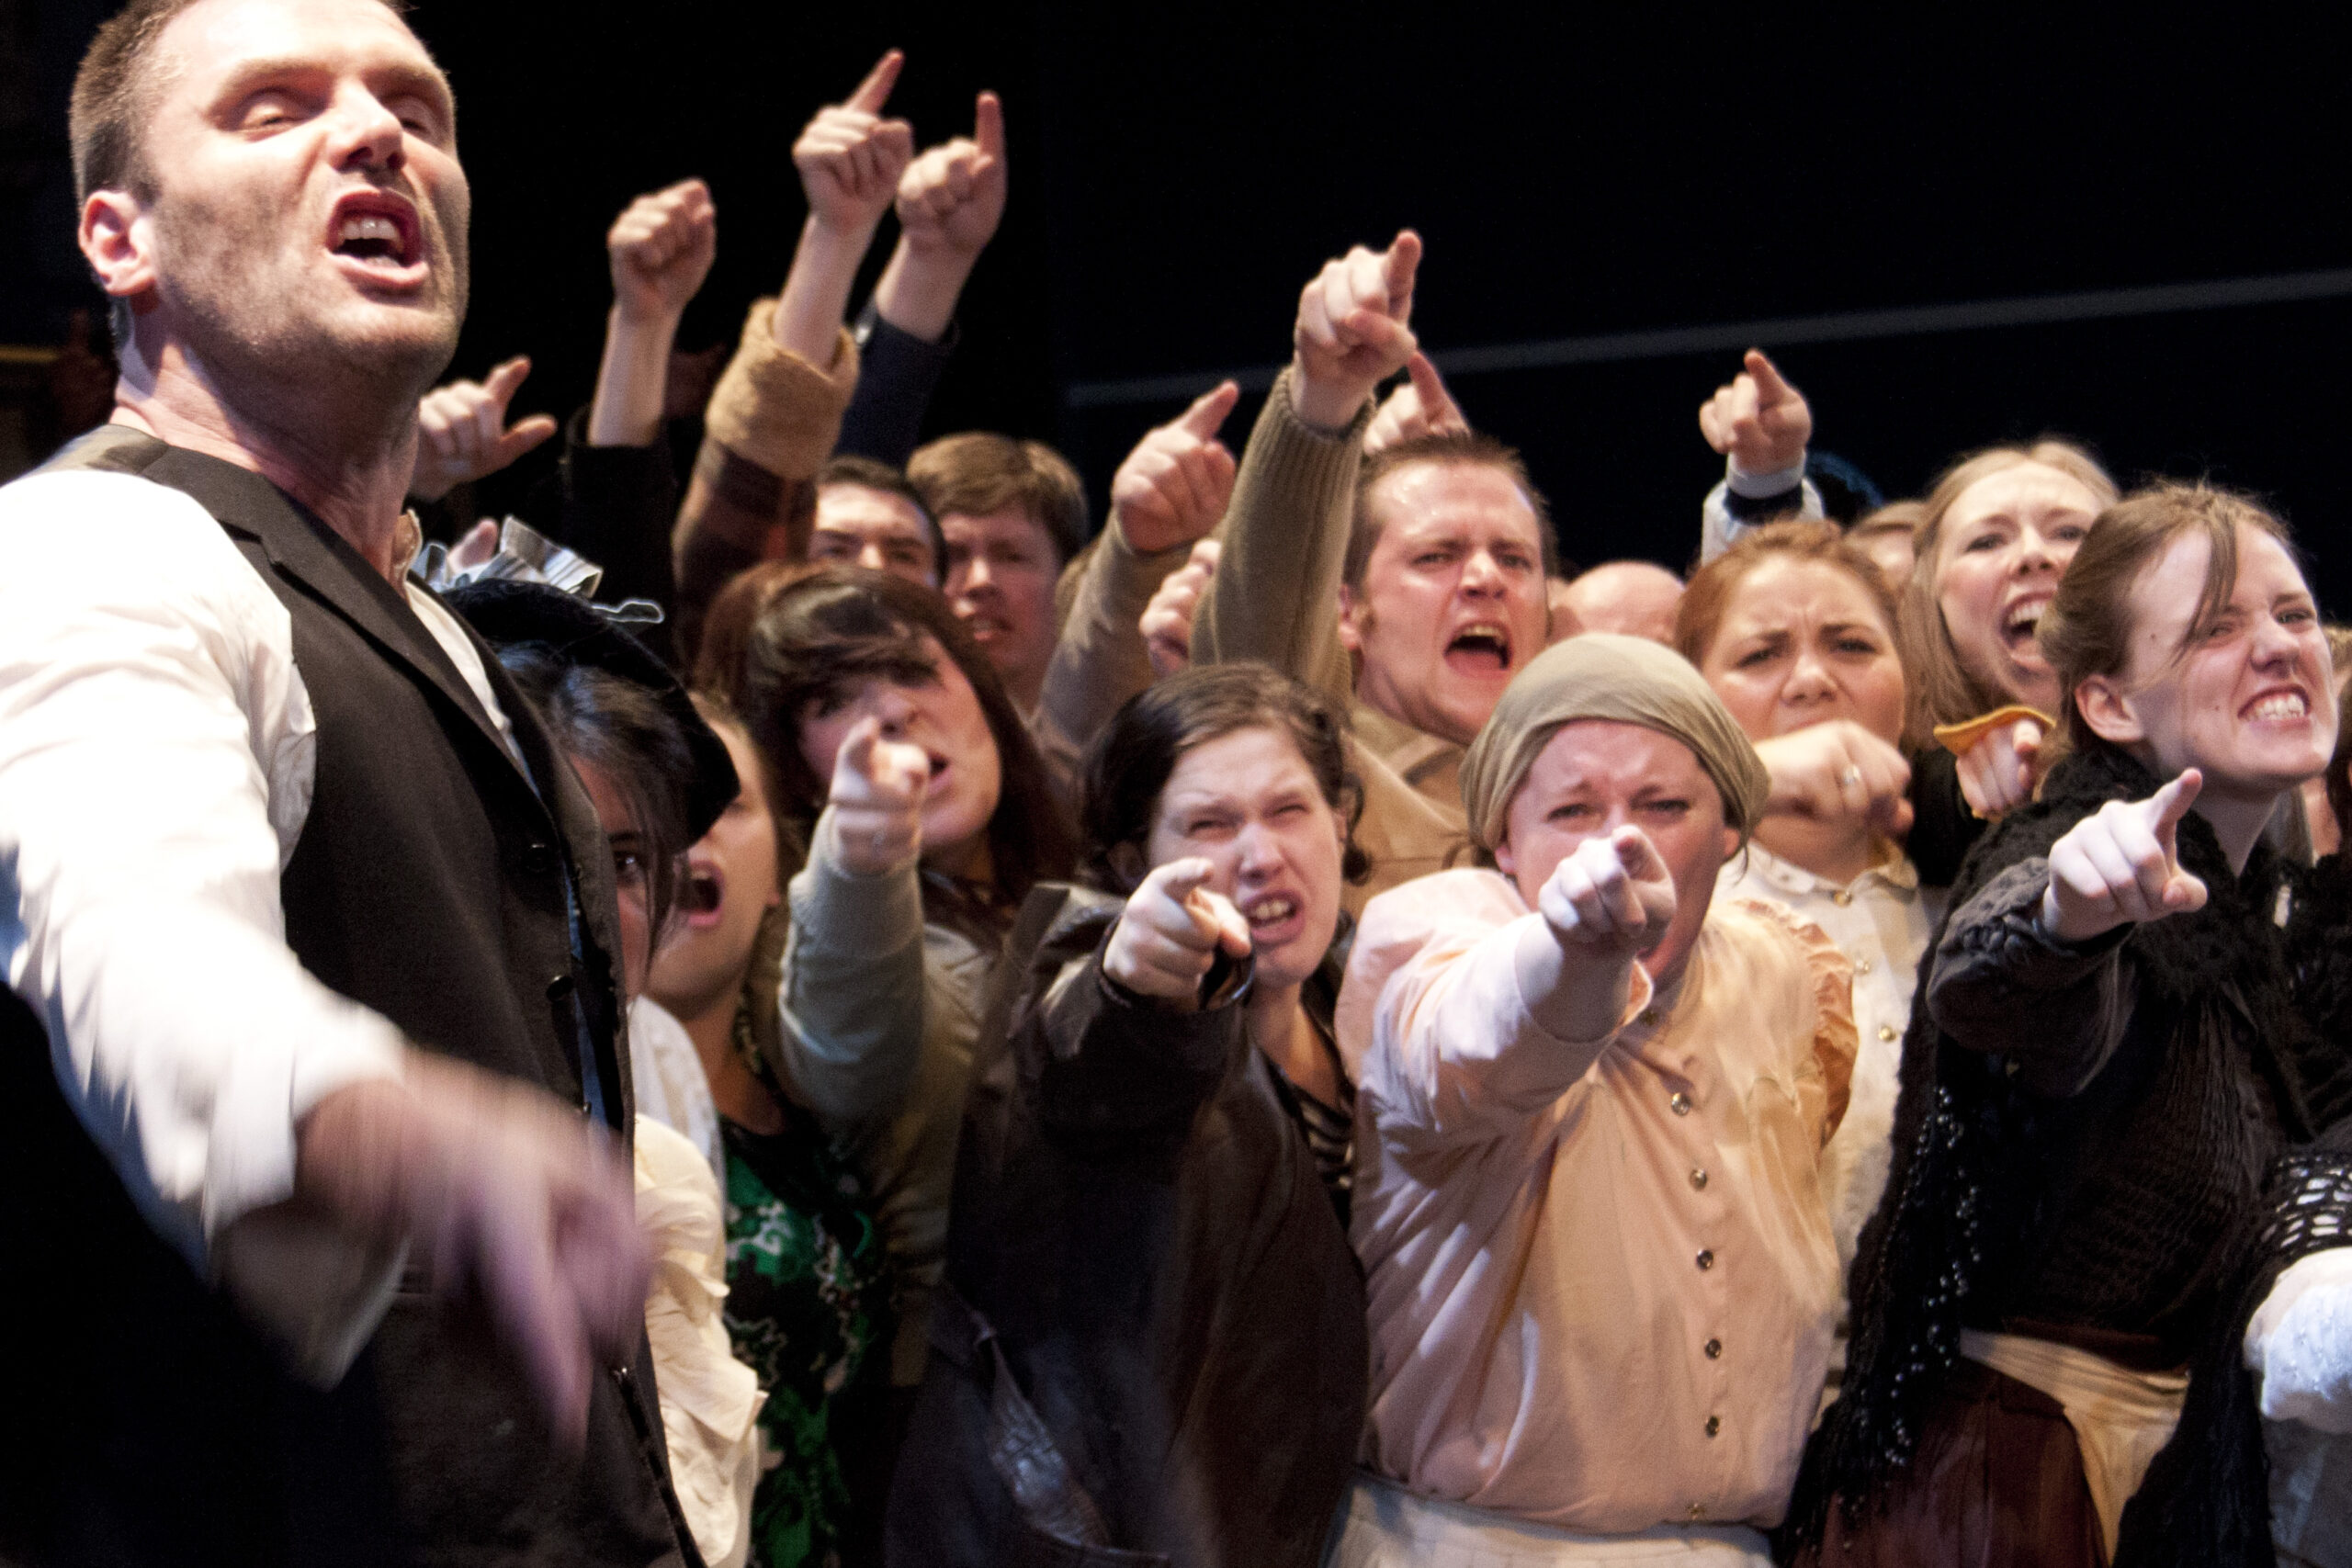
(118, 241)
(1352, 611)
(2106, 706)
(1126, 861)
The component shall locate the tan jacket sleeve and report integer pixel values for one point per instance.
(1276, 593)
(772, 422)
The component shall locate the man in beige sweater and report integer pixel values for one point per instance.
(1411, 582)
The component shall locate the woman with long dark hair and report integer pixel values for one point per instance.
(894, 756)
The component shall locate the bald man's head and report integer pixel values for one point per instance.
(1632, 597)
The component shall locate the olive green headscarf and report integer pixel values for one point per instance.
(1600, 675)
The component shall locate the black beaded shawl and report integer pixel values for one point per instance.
(1949, 1233)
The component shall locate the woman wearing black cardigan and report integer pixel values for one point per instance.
(2107, 1097)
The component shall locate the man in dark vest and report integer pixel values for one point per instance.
(316, 1230)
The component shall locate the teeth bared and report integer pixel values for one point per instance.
(370, 226)
(2288, 705)
(1499, 635)
(1272, 911)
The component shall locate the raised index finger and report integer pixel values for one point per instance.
(1436, 398)
(2172, 803)
(1404, 261)
(1770, 386)
(1209, 410)
(1637, 854)
(1178, 878)
(987, 125)
(506, 380)
(856, 752)
(875, 91)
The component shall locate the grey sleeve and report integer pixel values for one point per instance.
(852, 995)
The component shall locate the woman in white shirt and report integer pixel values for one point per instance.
(1793, 628)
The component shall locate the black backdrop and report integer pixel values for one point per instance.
(1179, 171)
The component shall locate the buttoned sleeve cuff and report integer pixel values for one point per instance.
(1741, 502)
(1777, 484)
(776, 409)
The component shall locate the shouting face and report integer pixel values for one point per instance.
(1453, 600)
(1998, 555)
(1248, 802)
(301, 218)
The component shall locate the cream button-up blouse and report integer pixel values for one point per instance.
(1602, 1275)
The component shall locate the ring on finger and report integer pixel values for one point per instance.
(1851, 777)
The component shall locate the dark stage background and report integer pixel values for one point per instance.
(1179, 172)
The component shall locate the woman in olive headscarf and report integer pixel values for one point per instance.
(1592, 1106)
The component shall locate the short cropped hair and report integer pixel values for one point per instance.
(868, 473)
(106, 113)
(1466, 450)
(110, 93)
(980, 473)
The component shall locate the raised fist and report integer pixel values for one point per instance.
(1759, 420)
(1420, 406)
(952, 197)
(462, 433)
(661, 247)
(1838, 770)
(876, 800)
(2122, 865)
(850, 159)
(1167, 623)
(1171, 932)
(1352, 331)
(1611, 897)
(1173, 487)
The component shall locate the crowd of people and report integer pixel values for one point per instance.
(820, 1010)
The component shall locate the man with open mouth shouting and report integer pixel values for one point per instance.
(313, 1044)
(1412, 581)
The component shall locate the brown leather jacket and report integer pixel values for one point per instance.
(1152, 1346)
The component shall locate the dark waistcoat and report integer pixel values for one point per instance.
(429, 883)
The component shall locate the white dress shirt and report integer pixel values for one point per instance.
(157, 750)
(1880, 920)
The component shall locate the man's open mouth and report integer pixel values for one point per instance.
(1482, 647)
(377, 230)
